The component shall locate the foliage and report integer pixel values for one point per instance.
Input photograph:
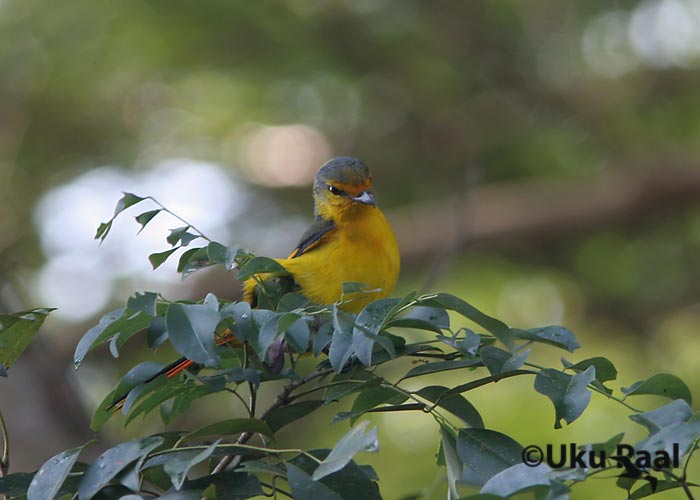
(325, 355)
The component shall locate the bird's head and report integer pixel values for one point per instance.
(342, 186)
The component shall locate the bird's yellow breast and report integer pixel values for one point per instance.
(360, 248)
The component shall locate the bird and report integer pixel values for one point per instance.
(349, 241)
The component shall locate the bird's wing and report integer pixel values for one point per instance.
(313, 236)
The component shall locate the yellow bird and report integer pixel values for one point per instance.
(349, 240)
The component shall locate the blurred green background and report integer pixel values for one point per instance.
(539, 159)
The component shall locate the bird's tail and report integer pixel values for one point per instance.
(173, 369)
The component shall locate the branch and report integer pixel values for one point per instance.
(282, 399)
(498, 215)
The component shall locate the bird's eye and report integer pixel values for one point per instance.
(334, 190)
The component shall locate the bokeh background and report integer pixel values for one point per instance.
(539, 159)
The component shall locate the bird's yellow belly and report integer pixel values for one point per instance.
(365, 252)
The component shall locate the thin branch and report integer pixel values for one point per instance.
(167, 210)
(282, 399)
(5, 459)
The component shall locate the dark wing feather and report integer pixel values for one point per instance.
(313, 236)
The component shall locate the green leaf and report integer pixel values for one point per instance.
(341, 342)
(192, 261)
(180, 463)
(451, 460)
(156, 259)
(180, 235)
(231, 426)
(680, 434)
(129, 199)
(50, 477)
(15, 485)
(604, 370)
(499, 361)
(191, 330)
(423, 318)
(554, 335)
(228, 485)
(648, 489)
(17, 331)
(517, 478)
(103, 230)
(112, 462)
(485, 453)
(241, 314)
(269, 331)
(261, 265)
(371, 397)
(216, 252)
(347, 383)
(349, 483)
(368, 324)
(303, 487)
(661, 384)
(146, 217)
(454, 403)
(569, 394)
(496, 327)
(655, 420)
(287, 414)
(119, 321)
(137, 376)
(183, 400)
(298, 335)
(353, 442)
(144, 302)
(441, 366)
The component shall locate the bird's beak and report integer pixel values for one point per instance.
(365, 197)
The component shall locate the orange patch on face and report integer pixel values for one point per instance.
(354, 189)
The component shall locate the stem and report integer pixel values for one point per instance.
(682, 480)
(276, 489)
(282, 399)
(5, 459)
(167, 210)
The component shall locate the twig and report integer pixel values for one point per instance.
(5, 459)
(282, 399)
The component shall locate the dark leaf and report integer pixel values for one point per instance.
(137, 376)
(156, 259)
(680, 434)
(180, 463)
(261, 265)
(441, 366)
(193, 261)
(349, 483)
(298, 335)
(231, 426)
(228, 485)
(661, 384)
(15, 485)
(604, 370)
(156, 333)
(284, 415)
(191, 330)
(112, 462)
(569, 394)
(354, 441)
(146, 217)
(322, 338)
(485, 453)
(183, 400)
(454, 403)
(241, 315)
